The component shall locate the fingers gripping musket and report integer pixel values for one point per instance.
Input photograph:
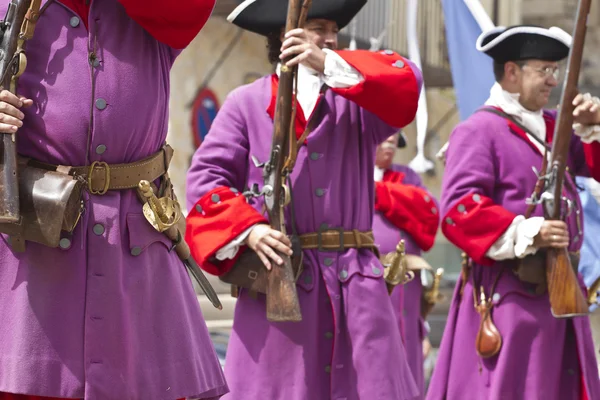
(16, 28)
(164, 215)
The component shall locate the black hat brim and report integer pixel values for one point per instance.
(525, 42)
(269, 16)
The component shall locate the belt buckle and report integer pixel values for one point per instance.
(99, 164)
(340, 230)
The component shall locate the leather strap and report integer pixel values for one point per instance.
(101, 177)
(338, 240)
(31, 18)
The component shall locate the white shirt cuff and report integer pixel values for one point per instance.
(517, 240)
(338, 73)
(587, 133)
(230, 249)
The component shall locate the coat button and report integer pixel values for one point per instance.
(399, 64)
(215, 198)
(100, 104)
(100, 149)
(476, 198)
(571, 371)
(95, 63)
(328, 262)
(328, 368)
(307, 279)
(314, 156)
(461, 208)
(344, 274)
(74, 22)
(496, 297)
(427, 199)
(376, 270)
(98, 229)
(388, 52)
(234, 190)
(328, 335)
(199, 208)
(136, 251)
(433, 210)
(324, 227)
(65, 243)
(449, 221)
(319, 192)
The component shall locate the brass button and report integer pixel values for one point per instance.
(388, 52)
(328, 262)
(376, 270)
(476, 198)
(215, 198)
(98, 229)
(101, 104)
(314, 156)
(136, 251)
(320, 192)
(461, 208)
(95, 63)
(449, 221)
(234, 190)
(427, 199)
(74, 21)
(65, 243)
(344, 274)
(399, 64)
(199, 208)
(100, 149)
(433, 210)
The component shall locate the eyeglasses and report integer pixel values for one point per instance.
(546, 72)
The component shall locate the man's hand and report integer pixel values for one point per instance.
(587, 109)
(11, 118)
(296, 43)
(264, 240)
(552, 234)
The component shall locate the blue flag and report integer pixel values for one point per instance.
(472, 72)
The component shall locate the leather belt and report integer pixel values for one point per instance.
(101, 177)
(338, 240)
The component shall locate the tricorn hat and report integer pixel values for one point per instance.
(267, 16)
(524, 42)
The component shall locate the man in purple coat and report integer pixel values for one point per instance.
(405, 210)
(347, 346)
(111, 313)
(488, 178)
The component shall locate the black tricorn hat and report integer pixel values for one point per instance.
(268, 16)
(524, 42)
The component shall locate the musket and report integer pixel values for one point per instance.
(17, 27)
(164, 215)
(566, 297)
(282, 298)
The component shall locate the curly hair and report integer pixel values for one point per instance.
(273, 47)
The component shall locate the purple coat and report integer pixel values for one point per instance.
(347, 346)
(541, 356)
(96, 320)
(406, 299)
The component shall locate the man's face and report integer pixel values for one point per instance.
(384, 155)
(323, 33)
(536, 79)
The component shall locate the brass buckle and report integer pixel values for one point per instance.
(340, 231)
(99, 164)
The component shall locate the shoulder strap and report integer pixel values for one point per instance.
(509, 117)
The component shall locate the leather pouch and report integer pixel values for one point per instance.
(488, 341)
(50, 202)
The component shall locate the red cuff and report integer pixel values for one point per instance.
(218, 217)
(474, 224)
(410, 209)
(390, 88)
(592, 158)
(175, 23)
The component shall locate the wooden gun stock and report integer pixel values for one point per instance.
(566, 298)
(282, 298)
